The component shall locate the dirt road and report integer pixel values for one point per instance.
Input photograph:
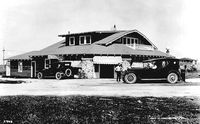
(106, 87)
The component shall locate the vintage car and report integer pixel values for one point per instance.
(154, 69)
(59, 70)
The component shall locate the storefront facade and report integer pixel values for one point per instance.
(97, 52)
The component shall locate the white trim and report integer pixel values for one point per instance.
(73, 40)
(125, 41)
(8, 73)
(45, 65)
(32, 69)
(80, 40)
(20, 66)
(85, 39)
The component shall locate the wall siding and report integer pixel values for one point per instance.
(26, 72)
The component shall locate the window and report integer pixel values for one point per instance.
(130, 41)
(136, 41)
(88, 40)
(124, 40)
(47, 63)
(85, 39)
(20, 67)
(71, 40)
(81, 40)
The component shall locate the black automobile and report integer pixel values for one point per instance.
(154, 69)
(58, 70)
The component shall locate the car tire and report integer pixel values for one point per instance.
(130, 78)
(58, 75)
(172, 78)
(68, 72)
(39, 75)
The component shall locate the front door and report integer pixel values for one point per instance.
(106, 71)
(33, 69)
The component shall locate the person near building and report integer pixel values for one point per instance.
(118, 70)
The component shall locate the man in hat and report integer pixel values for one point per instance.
(118, 70)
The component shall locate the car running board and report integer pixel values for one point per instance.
(154, 79)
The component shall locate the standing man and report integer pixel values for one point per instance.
(118, 70)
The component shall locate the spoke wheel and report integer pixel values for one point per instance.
(68, 72)
(130, 78)
(58, 75)
(39, 75)
(172, 78)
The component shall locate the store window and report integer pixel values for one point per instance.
(20, 67)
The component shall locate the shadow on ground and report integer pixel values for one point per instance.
(11, 81)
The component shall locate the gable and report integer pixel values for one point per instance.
(110, 39)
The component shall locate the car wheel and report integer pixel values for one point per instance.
(68, 72)
(58, 75)
(130, 78)
(172, 78)
(39, 75)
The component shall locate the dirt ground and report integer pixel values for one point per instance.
(102, 87)
(98, 101)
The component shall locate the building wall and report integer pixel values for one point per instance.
(26, 68)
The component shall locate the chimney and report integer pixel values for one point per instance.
(167, 50)
(114, 28)
(68, 32)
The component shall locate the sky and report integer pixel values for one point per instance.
(29, 25)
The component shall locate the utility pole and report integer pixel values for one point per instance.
(3, 55)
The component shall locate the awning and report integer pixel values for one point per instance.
(107, 59)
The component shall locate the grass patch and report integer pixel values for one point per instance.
(96, 109)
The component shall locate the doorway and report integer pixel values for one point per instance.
(33, 69)
(106, 71)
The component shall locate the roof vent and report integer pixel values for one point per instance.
(68, 32)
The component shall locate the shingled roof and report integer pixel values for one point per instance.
(118, 35)
(99, 47)
(60, 49)
(24, 56)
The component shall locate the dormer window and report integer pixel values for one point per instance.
(131, 41)
(85, 40)
(71, 40)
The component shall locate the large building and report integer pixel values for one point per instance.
(100, 51)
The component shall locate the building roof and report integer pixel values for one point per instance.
(24, 56)
(115, 49)
(108, 31)
(100, 47)
(118, 35)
